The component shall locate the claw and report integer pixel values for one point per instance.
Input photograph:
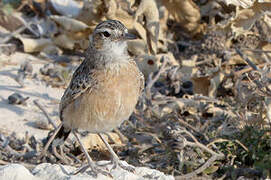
(118, 163)
(94, 170)
(91, 163)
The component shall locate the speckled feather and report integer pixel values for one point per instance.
(81, 81)
(105, 88)
(84, 79)
(106, 60)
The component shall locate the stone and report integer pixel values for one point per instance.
(15, 172)
(47, 171)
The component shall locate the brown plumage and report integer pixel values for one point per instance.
(104, 89)
(101, 105)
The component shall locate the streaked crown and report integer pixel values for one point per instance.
(111, 25)
(108, 32)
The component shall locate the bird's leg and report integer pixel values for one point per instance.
(50, 140)
(91, 163)
(115, 158)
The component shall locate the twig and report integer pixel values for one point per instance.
(26, 146)
(193, 128)
(180, 157)
(4, 162)
(28, 25)
(198, 144)
(220, 140)
(153, 78)
(74, 158)
(248, 69)
(258, 83)
(241, 144)
(45, 113)
(64, 160)
(121, 136)
(197, 171)
(26, 142)
(247, 60)
(256, 50)
(13, 152)
(18, 31)
(215, 156)
(64, 156)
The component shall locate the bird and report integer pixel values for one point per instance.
(103, 90)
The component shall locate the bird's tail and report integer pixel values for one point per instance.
(61, 136)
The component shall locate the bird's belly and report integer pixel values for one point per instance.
(104, 108)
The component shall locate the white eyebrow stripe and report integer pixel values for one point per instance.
(103, 30)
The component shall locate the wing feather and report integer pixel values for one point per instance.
(82, 80)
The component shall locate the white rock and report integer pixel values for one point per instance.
(15, 172)
(48, 171)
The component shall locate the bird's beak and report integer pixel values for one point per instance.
(129, 36)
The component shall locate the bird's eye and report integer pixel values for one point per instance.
(106, 34)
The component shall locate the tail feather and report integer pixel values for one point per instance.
(61, 136)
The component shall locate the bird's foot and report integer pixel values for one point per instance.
(118, 163)
(94, 170)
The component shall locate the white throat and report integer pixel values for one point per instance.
(113, 52)
(116, 49)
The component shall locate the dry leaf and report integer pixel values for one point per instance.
(37, 6)
(214, 83)
(127, 19)
(34, 45)
(69, 24)
(9, 22)
(163, 16)
(47, 27)
(141, 31)
(254, 56)
(149, 10)
(244, 19)
(69, 8)
(201, 85)
(179, 104)
(73, 32)
(137, 47)
(93, 12)
(268, 108)
(187, 13)
(170, 59)
(111, 7)
(93, 141)
(188, 68)
(211, 169)
(52, 50)
(210, 10)
(244, 3)
(64, 41)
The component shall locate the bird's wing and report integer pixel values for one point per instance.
(140, 77)
(82, 80)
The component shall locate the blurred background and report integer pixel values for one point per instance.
(205, 111)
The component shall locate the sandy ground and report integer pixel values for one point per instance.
(21, 118)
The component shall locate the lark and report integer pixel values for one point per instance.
(103, 91)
